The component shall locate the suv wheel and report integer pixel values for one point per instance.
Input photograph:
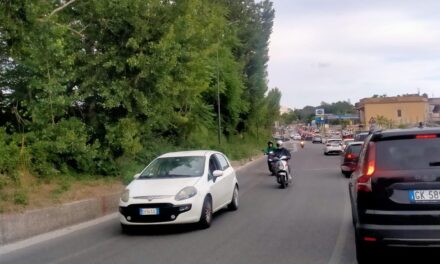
(347, 174)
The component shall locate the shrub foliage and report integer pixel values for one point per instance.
(89, 86)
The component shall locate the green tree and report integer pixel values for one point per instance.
(289, 117)
(119, 78)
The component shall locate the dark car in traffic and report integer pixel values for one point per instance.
(395, 191)
(350, 157)
(361, 136)
(307, 137)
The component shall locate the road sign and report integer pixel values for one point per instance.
(319, 112)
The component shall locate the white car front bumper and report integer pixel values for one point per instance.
(169, 212)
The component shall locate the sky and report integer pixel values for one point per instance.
(339, 50)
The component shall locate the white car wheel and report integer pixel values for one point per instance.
(206, 215)
(234, 202)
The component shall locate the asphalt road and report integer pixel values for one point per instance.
(309, 222)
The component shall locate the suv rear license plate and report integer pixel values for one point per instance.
(424, 195)
(148, 211)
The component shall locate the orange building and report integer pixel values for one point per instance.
(399, 110)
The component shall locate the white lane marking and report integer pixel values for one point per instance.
(4, 249)
(344, 227)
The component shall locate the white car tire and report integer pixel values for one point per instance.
(206, 215)
(233, 206)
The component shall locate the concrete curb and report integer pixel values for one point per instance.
(15, 227)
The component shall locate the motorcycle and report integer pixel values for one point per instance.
(302, 144)
(282, 172)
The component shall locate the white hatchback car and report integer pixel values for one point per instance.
(180, 187)
(333, 146)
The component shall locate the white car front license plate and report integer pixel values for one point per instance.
(424, 195)
(148, 211)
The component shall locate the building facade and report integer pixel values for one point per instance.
(434, 110)
(394, 111)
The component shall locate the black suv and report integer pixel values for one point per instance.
(395, 191)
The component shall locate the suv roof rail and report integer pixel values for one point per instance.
(374, 131)
(431, 124)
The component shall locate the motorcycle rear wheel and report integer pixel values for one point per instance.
(283, 182)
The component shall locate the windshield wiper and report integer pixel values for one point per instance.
(435, 163)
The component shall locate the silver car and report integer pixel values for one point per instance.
(333, 146)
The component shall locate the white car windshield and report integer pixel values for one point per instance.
(174, 167)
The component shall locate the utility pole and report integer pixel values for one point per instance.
(218, 100)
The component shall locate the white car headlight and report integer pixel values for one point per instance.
(125, 196)
(186, 193)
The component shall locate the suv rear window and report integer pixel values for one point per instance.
(354, 149)
(407, 154)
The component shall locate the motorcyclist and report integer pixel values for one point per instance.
(281, 151)
(270, 148)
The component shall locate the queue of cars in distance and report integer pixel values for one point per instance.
(180, 187)
(395, 191)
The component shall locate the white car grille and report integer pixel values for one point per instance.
(152, 197)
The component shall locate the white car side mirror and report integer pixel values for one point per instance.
(217, 173)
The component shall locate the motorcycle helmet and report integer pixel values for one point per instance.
(279, 143)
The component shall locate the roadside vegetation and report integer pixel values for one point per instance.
(91, 91)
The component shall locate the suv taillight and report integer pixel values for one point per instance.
(350, 156)
(364, 181)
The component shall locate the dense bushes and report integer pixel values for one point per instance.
(9, 153)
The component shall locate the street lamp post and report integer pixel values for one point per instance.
(219, 125)
(218, 101)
